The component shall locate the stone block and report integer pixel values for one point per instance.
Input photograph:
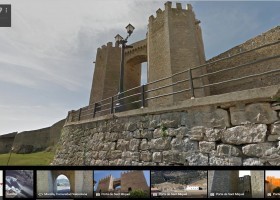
(157, 157)
(130, 126)
(181, 132)
(217, 118)
(137, 134)
(117, 154)
(275, 106)
(197, 159)
(146, 134)
(251, 133)
(177, 157)
(135, 156)
(228, 150)
(177, 144)
(275, 129)
(102, 155)
(171, 132)
(225, 161)
(260, 113)
(256, 150)
(190, 145)
(158, 133)
(122, 145)
(206, 147)
(166, 156)
(146, 156)
(161, 143)
(197, 133)
(213, 134)
(144, 145)
(170, 120)
(134, 145)
(252, 162)
(273, 138)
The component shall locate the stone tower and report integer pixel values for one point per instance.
(106, 73)
(174, 44)
(244, 186)
(257, 183)
(221, 181)
(105, 184)
(133, 180)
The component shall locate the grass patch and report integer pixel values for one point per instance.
(33, 159)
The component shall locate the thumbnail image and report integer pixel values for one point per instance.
(272, 183)
(179, 184)
(19, 184)
(1, 184)
(121, 184)
(64, 184)
(235, 184)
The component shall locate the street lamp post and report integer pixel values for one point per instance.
(122, 42)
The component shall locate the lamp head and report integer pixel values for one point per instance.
(118, 38)
(129, 29)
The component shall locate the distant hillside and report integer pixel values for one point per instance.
(181, 177)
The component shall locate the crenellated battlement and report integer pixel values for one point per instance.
(106, 178)
(108, 45)
(161, 14)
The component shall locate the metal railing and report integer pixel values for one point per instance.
(139, 97)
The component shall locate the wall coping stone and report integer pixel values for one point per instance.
(265, 94)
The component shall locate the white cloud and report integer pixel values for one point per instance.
(46, 56)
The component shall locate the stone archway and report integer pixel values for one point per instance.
(80, 181)
(62, 186)
(134, 57)
(69, 174)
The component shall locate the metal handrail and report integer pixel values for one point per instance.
(127, 97)
(237, 79)
(81, 113)
(180, 91)
(158, 88)
(227, 69)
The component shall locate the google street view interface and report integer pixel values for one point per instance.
(139, 99)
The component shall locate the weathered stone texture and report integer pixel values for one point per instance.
(245, 134)
(260, 113)
(170, 142)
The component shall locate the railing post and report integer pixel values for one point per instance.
(191, 83)
(142, 96)
(94, 110)
(80, 111)
(112, 105)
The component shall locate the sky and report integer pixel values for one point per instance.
(243, 173)
(100, 174)
(46, 57)
(275, 173)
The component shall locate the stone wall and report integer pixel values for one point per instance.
(55, 132)
(36, 140)
(238, 56)
(6, 142)
(31, 141)
(240, 128)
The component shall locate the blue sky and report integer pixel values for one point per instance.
(99, 174)
(46, 57)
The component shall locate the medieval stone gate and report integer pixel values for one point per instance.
(80, 182)
(128, 181)
(227, 181)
